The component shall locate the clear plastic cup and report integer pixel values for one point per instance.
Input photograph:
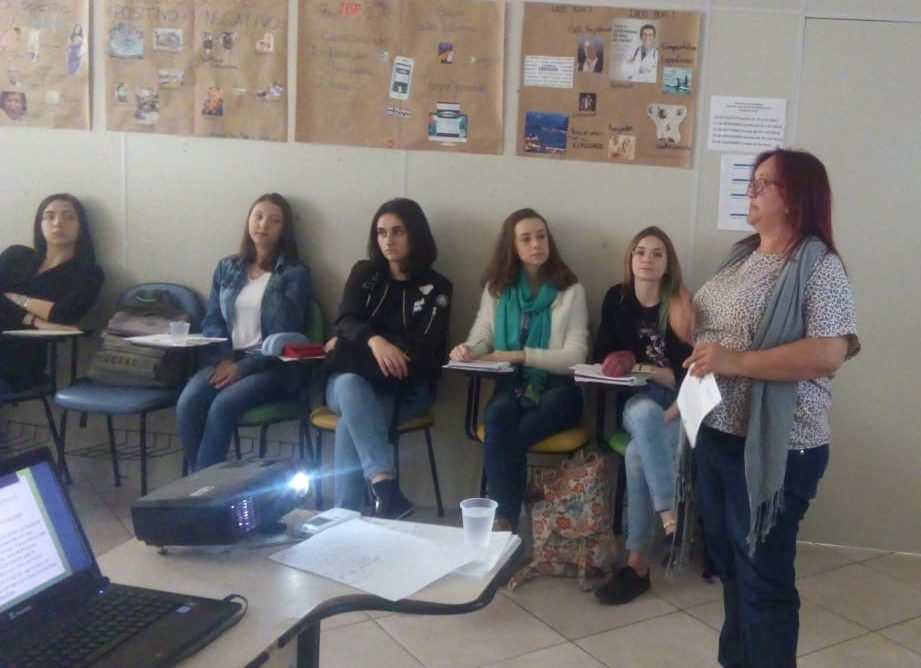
(178, 332)
(478, 516)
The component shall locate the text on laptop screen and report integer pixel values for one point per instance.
(40, 541)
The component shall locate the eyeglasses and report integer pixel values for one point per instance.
(757, 186)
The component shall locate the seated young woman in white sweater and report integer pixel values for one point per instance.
(532, 313)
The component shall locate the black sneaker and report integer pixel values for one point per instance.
(624, 586)
(389, 501)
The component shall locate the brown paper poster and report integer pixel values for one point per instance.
(208, 68)
(608, 84)
(241, 84)
(44, 64)
(414, 74)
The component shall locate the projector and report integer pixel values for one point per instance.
(220, 504)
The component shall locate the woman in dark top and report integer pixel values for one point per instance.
(391, 339)
(49, 286)
(649, 314)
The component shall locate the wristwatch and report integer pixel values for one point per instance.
(22, 301)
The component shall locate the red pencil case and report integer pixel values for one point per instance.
(303, 350)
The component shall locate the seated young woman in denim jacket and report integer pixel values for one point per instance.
(533, 313)
(648, 314)
(262, 290)
(49, 286)
(391, 339)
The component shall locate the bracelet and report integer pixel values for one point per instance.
(32, 321)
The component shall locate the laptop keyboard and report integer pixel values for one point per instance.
(102, 625)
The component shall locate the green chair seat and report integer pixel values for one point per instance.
(618, 442)
(278, 411)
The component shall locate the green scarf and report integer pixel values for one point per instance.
(516, 300)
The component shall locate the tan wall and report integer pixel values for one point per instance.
(168, 208)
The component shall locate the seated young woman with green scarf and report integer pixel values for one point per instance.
(532, 313)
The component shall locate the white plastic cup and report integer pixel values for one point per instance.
(178, 332)
(478, 516)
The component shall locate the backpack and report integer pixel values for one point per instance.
(120, 362)
(571, 523)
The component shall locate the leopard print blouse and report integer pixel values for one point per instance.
(729, 307)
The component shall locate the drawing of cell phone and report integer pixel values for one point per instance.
(402, 77)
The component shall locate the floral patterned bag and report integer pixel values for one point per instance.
(571, 523)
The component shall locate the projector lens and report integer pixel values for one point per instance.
(300, 483)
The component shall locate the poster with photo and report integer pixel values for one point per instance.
(216, 69)
(410, 74)
(608, 84)
(44, 64)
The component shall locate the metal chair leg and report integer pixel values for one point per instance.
(143, 454)
(62, 441)
(318, 479)
(263, 440)
(428, 444)
(236, 442)
(113, 451)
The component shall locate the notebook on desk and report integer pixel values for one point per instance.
(57, 609)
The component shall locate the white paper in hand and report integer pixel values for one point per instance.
(696, 398)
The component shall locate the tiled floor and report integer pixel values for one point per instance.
(861, 608)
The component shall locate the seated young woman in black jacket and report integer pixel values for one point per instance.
(390, 341)
(49, 286)
(649, 314)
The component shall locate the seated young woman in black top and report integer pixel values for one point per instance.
(49, 286)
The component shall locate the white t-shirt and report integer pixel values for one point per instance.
(247, 326)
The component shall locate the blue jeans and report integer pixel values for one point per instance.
(363, 448)
(649, 461)
(511, 430)
(207, 415)
(761, 626)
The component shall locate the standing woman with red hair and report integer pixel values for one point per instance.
(773, 325)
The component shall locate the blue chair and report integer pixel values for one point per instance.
(45, 389)
(88, 397)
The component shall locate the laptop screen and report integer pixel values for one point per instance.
(41, 543)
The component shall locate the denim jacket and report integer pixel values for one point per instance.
(284, 307)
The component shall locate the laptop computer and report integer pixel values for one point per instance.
(57, 609)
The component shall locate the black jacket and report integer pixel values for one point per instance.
(619, 314)
(413, 315)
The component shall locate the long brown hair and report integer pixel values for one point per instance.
(287, 244)
(505, 266)
(84, 253)
(674, 299)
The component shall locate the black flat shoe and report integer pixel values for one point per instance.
(624, 586)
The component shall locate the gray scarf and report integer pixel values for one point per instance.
(770, 420)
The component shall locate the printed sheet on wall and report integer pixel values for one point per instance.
(211, 68)
(44, 64)
(408, 74)
(608, 84)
